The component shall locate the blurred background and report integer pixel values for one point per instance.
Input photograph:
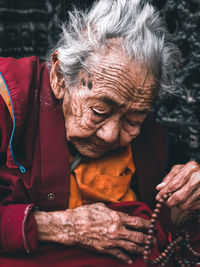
(31, 27)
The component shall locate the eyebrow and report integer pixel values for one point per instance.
(112, 102)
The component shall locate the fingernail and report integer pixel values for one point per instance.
(130, 262)
(157, 197)
(160, 185)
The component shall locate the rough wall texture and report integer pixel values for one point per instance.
(181, 114)
(29, 27)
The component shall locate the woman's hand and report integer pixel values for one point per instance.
(183, 181)
(96, 227)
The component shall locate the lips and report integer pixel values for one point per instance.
(95, 144)
(98, 146)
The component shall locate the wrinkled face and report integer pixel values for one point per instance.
(106, 108)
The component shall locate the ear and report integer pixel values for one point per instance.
(56, 78)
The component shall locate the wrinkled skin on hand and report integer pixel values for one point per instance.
(183, 181)
(97, 227)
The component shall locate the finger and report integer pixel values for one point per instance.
(179, 197)
(169, 176)
(188, 194)
(130, 247)
(119, 255)
(132, 236)
(179, 180)
(196, 206)
(193, 199)
(134, 221)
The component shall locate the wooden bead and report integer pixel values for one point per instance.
(153, 221)
(165, 196)
(150, 232)
(164, 254)
(154, 216)
(161, 200)
(147, 252)
(156, 211)
(145, 258)
(149, 242)
(151, 226)
(174, 247)
(158, 206)
(150, 237)
(146, 247)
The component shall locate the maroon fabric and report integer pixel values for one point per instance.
(17, 228)
(48, 254)
(38, 145)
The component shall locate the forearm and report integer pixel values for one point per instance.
(55, 226)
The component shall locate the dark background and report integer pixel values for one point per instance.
(30, 27)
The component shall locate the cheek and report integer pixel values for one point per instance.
(79, 123)
(127, 136)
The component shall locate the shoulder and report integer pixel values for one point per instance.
(154, 138)
(22, 77)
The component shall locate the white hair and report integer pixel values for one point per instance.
(138, 27)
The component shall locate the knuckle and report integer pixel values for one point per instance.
(113, 231)
(115, 217)
(139, 238)
(122, 256)
(134, 248)
(171, 185)
(138, 221)
(98, 204)
(177, 197)
(192, 164)
(196, 176)
(183, 206)
(138, 249)
(100, 248)
(176, 167)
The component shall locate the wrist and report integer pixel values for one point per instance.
(55, 226)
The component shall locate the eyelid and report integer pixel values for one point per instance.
(133, 123)
(100, 112)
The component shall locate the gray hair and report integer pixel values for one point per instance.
(135, 23)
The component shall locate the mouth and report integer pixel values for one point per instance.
(94, 144)
(97, 146)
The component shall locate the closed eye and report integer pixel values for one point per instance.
(133, 123)
(100, 113)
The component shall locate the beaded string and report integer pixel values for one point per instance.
(174, 248)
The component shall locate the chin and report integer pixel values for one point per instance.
(91, 154)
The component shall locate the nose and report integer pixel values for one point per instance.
(109, 132)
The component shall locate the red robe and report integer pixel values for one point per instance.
(39, 145)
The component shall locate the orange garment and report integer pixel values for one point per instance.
(5, 96)
(106, 179)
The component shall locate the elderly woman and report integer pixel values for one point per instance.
(78, 135)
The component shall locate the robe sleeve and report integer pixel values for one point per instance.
(18, 229)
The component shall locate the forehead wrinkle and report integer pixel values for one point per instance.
(116, 74)
(118, 68)
(112, 83)
(118, 81)
(119, 94)
(150, 94)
